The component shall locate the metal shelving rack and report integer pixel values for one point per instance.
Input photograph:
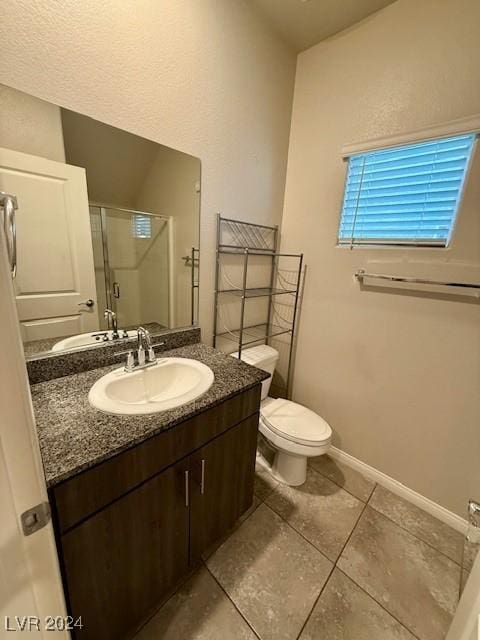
(193, 261)
(246, 239)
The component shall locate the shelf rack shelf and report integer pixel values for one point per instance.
(256, 252)
(254, 333)
(246, 239)
(258, 292)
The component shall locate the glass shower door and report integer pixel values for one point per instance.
(135, 251)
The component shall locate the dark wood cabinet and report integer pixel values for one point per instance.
(129, 529)
(222, 484)
(119, 560)
(92, 489)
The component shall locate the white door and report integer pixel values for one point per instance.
(466, 623)
(30, 582)
(55, 269)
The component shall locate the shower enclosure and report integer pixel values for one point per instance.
(133, 259)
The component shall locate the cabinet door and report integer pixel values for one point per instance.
(222, 484)
(120, 562)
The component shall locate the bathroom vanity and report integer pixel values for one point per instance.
(136, 500)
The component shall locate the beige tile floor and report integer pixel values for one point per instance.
(336, 559)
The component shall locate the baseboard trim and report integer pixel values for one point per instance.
(434, 509)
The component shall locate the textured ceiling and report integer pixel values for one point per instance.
(303, 23)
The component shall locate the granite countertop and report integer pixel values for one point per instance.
(74, 436)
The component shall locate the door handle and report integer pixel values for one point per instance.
(10, 204)
(202, 478)
(199, 469)
(187, 488)
(116, 290)
(87, 303)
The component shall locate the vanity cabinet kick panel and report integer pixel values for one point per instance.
(127, 548)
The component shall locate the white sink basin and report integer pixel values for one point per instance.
(168, 384)
(84, 339)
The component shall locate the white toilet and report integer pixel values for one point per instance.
(294, 432)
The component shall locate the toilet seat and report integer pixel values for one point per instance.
(295, 423)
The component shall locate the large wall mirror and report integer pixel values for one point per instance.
(107, 227)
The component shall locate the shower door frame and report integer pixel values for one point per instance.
(110, 297)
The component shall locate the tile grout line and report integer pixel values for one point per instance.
(262, 501)
(316, 600)
(232, 530)
(334, 566)
(322, 553)
(355, 583)
(307, 541)
(335, 563)
(176, 589)
(388, 518)
(351, 532)
(364, 504)
(444, 555)
(291, 527)
(402, 624)
(233, 603)
(413, 534)
(204, 562)
(193, 571)
(375, 485)
(360, 586)
(310, 467)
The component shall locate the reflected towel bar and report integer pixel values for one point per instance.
(361, 274)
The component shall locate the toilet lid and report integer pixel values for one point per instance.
(295, 422)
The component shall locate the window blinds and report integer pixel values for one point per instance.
(405, 195)
(141, 226)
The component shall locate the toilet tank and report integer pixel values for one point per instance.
(263, 357)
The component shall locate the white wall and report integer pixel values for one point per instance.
(116, 162)
(397, 376)
(169, 188)
(203, 77)
(30, 125)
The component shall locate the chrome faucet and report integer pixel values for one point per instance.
(111, 317)
(145, 352)
(143, 336)
(145, 355)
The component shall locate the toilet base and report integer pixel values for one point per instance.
(289, 469)
(286, 468)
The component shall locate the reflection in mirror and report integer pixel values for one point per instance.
(107, 227)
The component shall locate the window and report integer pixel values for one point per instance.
(406, 195)
(141, 226)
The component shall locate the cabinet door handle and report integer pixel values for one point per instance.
(187, 488)
(202, 480)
